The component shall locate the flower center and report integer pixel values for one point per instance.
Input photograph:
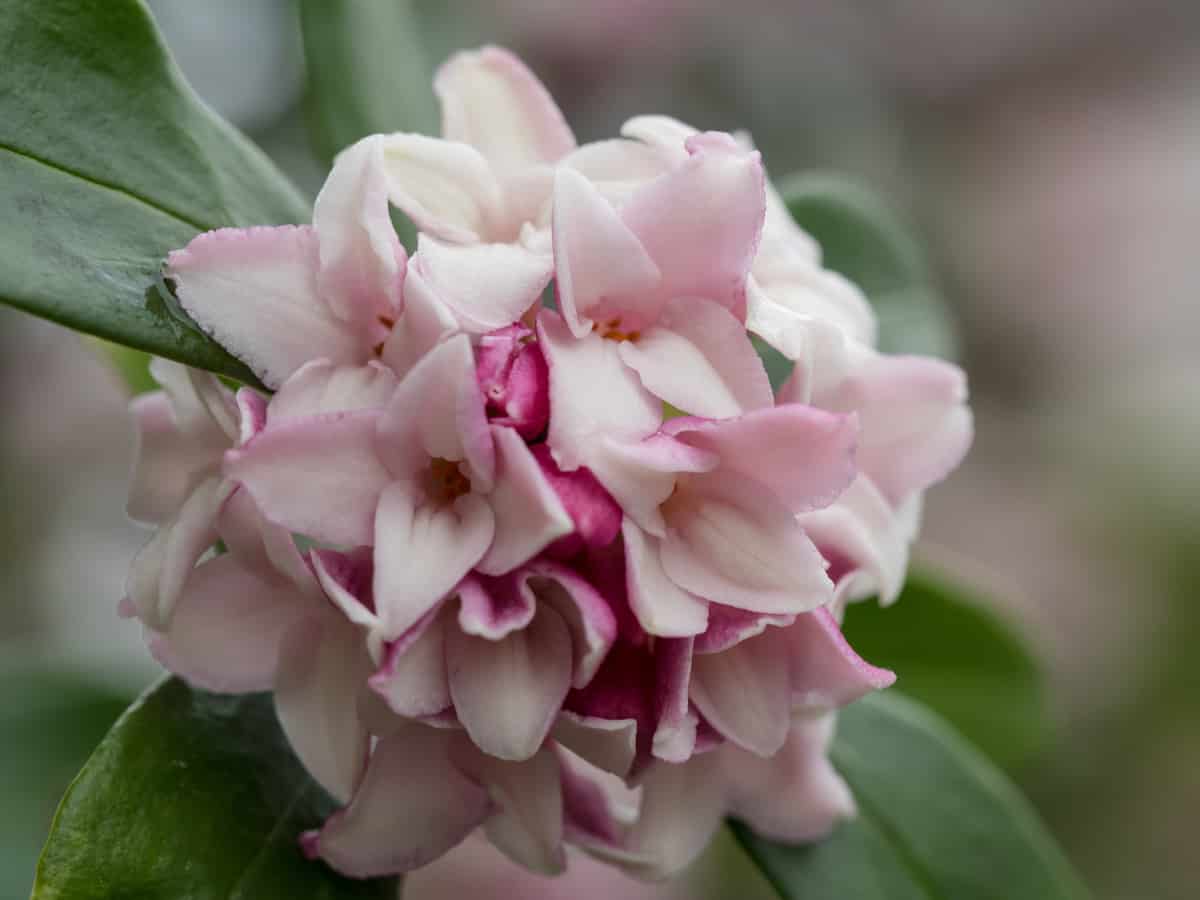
(446, 480)
(612, 331)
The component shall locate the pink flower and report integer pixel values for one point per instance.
(574, 573)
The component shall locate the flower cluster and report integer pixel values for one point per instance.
(523, 538)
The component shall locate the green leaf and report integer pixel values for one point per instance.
(936, 821)
(367, 73)
(51, 719)
(192, 795)
(865, 240)
(956, 656)
(108, 161)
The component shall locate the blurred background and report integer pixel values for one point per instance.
(1048, 154)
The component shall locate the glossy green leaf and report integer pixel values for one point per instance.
(865, 240)
(367, 73)
(50, 721)
(961, 659)
(192, 795)
(108, 161)
(936, 821)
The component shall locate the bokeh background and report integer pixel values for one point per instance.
(1048, 155)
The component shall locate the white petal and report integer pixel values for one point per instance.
(422, 551)
(662, 607)
(508, 692)
(529, 515)
(323, 668)
(255, 292)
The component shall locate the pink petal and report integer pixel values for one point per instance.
(322, 670)
(795, 797)
(412, 680)
(508, 692)
(682, 808)
(437, 413)
(602, 270)
(667, 135)
(227, 628)
(807, 290)
(170, 462)
(486, 286)
(728, 626)
(322, 387)
(529, 515)
(661, 606)
(493, 608)
(865, 539)
(618, 167)
(579, 413)
(733, 543)
(201, 404)
(641, 475)
(163, 566)
(675, 725)
(608, 744)
(412, 806)
(523, 403)
(596, 516)
(804, 456)
(701, 222)
(255, 292)
(263, 546)
(492, 101)
(320, 476)
(701, 361)
(745, 692)
(362, 262)
(425, 322)
(916, 426)
(826, 673)
(527, 824)
(447, 188)
(422, 550)
(585, 611)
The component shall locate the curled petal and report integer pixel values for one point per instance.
(825, 671)
(662, 607)
(412, 680)
(701, 222)
(425, 322)
(447, 188)
(361, 260)
(602, 269)
(585, 611)
(486, 286)
(608, 744)
(412, 806)
(163, 566)
(492, 101)
(255, 292)
(170, 462)
(494, 608)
